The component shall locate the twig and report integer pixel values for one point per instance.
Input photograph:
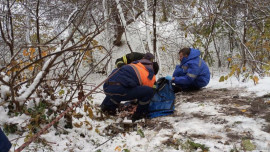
(4, 102)
(61, 115)
(17, 138)
(105, 141)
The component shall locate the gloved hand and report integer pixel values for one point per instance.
(168, 77)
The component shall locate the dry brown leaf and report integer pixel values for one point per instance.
(90, 113)
(78, 125)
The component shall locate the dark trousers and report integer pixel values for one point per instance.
(187, 88)
(4, 142)
(117, 93)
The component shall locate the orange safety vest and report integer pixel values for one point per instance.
(142, 74)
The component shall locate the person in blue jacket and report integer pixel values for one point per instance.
(132, 81)
(192, 73)
(4, 142)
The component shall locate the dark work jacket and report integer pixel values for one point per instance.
(192, 72)
(127, 77)
(4, 142)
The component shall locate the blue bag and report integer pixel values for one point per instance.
(162, 103)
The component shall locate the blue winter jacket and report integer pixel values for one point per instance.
(4, 142)
(127, 76)
(192, 73)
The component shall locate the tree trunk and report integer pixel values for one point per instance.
(119, 30)
(154, 28)
(37, 26)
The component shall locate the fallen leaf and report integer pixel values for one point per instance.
(78, 125)
(247, 145)
(140, 132)
(90, 113)
(255, 80)
(85, 107)
(117, 148)
(77, 115)
(25, 53)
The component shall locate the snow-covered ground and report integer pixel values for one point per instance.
(202, 117)
(225, 116)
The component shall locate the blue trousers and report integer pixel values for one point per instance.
(4, 142)
(117, 93)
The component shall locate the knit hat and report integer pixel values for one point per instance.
(149, 56)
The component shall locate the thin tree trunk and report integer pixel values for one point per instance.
(37, 26)
(154, 28)
(244, 36)
(211, 32)
(146, 27)
(217, 52)
(164, 12)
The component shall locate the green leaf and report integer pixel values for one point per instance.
(195, 146)
(221, 79)
(140, 132)
(126, 150)
(247, 145)
(61, 92)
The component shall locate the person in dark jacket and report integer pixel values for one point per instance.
(192, 73)
(5, 145)
(134, 56)
(132, 81)
(128, 58)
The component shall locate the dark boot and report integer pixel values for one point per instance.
(141, 112)
(109, 106)
(110, 111)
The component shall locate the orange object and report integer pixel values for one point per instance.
(142, 74)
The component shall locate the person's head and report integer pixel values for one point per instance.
(149, 56)
(184, 53)
(155, 67)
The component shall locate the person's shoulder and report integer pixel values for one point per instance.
(126, 67)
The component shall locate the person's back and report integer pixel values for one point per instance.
(132, 81)
(203, 76)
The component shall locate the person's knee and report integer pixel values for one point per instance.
(149, 91)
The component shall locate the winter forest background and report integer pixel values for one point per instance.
(54, 55)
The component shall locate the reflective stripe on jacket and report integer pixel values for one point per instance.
(142, 74)
(192, 72)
